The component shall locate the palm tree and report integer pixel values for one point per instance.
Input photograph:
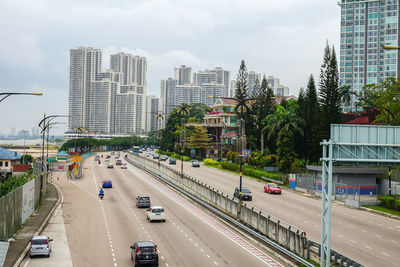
(282, 125)
(345, 94)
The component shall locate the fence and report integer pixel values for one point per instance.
(288, 236)
(17, 206)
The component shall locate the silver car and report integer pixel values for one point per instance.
(40, 245)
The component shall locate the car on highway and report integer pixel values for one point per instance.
(110, 165)
(195, 163)
(124, 166)
(116, 156)
(107, 184)
(148, 154)
(156, 213)
(40, 246)
(156, 156)
(144, 252)
(112, 152)
(172, 161)
(118, 162)
(272, 188)
(143, 201)
(97, 158)
(246, 193)
(163, 158)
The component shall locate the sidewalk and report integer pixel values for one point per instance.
(33, 226)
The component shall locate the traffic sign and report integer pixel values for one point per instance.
(246, 153)
(76, 170)
(76, 158)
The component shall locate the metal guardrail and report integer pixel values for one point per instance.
(228, 218)
(336, 258)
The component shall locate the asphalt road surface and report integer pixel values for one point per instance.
(99, 233)
(370, 239)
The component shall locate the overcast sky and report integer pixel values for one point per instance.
(283, 38)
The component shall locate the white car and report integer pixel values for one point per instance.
(156, 213)
(40, 245)
(123, 166)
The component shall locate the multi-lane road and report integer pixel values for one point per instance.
(367, 238)
(91, 232)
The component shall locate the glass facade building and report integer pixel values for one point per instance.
(367, 25)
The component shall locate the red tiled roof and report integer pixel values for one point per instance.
(230, 134)
(359, 120)
(21, 167)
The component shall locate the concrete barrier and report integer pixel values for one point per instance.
(291, 237)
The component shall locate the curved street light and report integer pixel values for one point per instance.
(7, 94)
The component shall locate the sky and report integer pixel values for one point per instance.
(277, 38)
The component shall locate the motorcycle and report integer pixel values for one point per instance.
(101, 196)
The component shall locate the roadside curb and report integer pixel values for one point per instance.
(46, 220)
(377, 212)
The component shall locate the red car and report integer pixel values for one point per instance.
(272, 188)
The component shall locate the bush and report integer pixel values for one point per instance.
(13, 183)
(232, 156)
(230, 166)
(211, 162)
(390, 202)
(259, 174)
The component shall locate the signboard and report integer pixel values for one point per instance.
(76, 158)
(246, 153)
(76, 170)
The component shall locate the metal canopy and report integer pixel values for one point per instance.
(359, 145)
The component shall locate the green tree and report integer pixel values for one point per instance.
(199, 139)
(330, 93)
(26, 158)
(283, 124)
(384, 96)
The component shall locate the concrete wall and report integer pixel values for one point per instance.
(288, 236)
(17, 206)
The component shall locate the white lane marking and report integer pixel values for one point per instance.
(206, 218)
(394, 241)
(364, 231)
(208, 256)
(368, 247)
(162, 257)
(387, 255)
(215, 263)
(340, 236)
(202, 250)
(378, 236)
(352, 241)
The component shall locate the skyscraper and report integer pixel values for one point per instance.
(365, 27)
(85, 66)
(133, 68)
(152, 108)
(253, 76)
(183, 75)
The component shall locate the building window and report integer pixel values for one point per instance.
(1, 164)
(6, 164)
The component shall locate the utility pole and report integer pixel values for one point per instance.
(159, 116)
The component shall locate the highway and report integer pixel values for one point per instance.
(99, 233)
(370, 239)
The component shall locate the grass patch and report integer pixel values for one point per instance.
(383, 209)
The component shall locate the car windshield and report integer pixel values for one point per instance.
(157, 210)
(144, 199)
(39, 242)
(245, 190)
(107, 181)
(147, 249)
(273, 186)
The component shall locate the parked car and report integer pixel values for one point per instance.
(195, 163)
(246, 193)
(40, 245)
(172, 161)
(163, 158)
(156, 213)
(118, 162)
(123, 166)
(110, 165)
(143, 201)
(272, 188)
(156, 156)
(144, 252)
(107, 184)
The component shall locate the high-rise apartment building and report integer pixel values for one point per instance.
(365, 27)
(168, 94)
(188, 94)
(111, 102)
(152, 108)
(183, 75)
(85, 66)
(253, 76)
(278, 89)
(216, 76)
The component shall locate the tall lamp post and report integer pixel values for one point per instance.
(183, 110)
(44, 124)
(7, 94)
(23, 157)
(159, 116)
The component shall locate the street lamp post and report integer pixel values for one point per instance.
(7, 94)
(23, 157)
(183, 111)
(159, 116)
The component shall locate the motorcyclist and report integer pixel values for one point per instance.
(101, 192)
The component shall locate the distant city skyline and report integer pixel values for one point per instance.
(275, 37)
